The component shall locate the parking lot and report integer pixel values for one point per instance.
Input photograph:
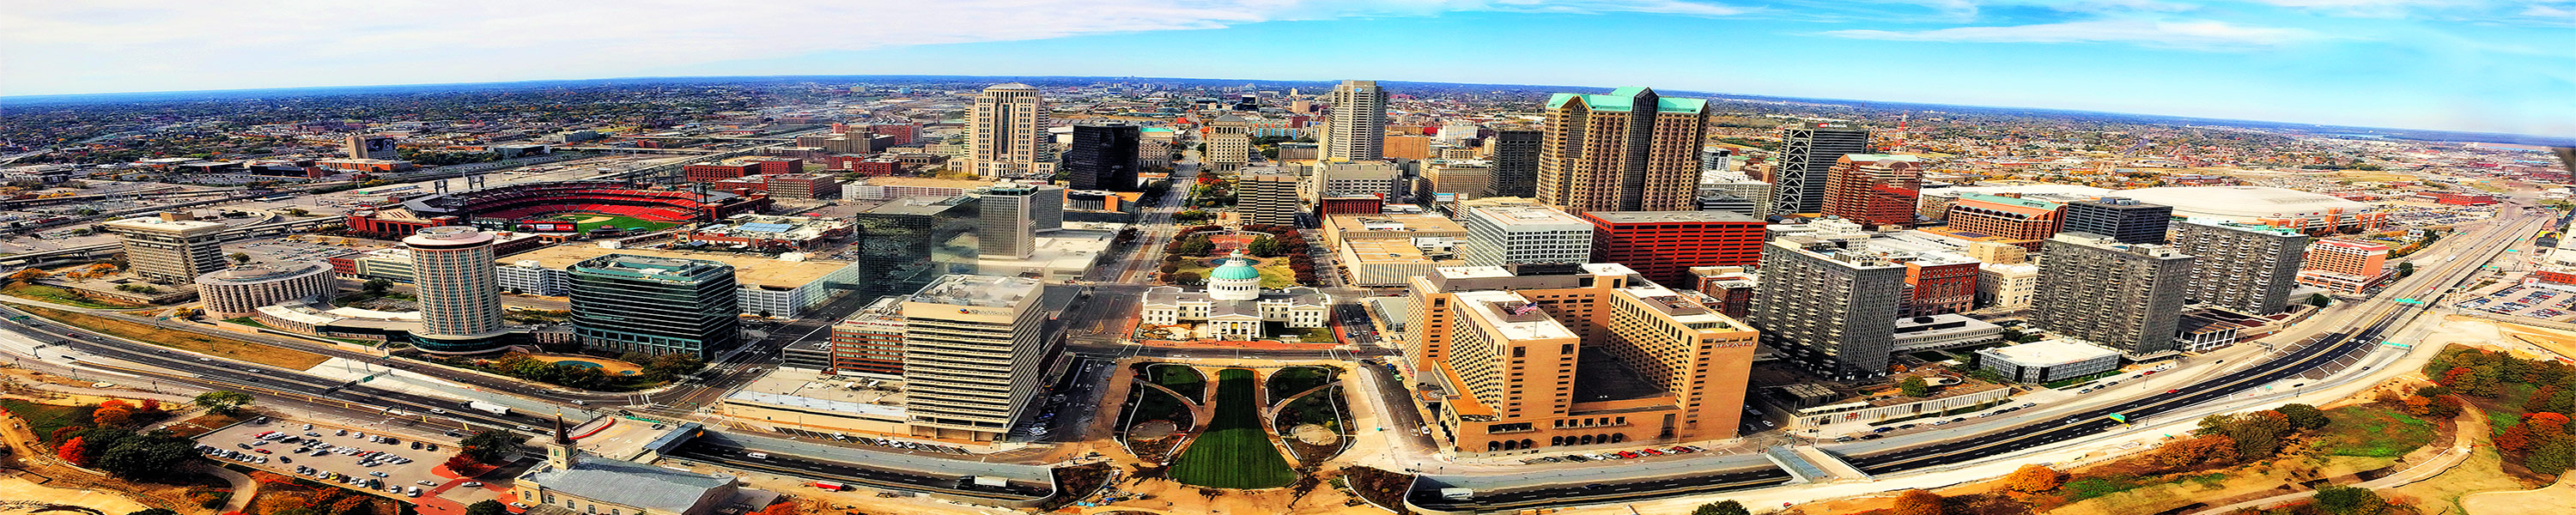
(2543, 303)
(346, 457)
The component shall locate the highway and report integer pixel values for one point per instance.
(2383, 317)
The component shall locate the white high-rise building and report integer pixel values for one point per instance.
(1524, 234)
(1357, 129)
(971, 355)
(1006, 133)
(170, 250)
(459, 291)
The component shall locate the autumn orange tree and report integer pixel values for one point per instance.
(1918, 502)
(2034, 479)
(782, 508)
(75, 450)
(112, 416)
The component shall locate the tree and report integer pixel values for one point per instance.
(2034, 479)
(486, 507)
(782, 508)
(2405, 269)
(377, 286)
(1918, 502)
(2303, 416)
(492, 446)
(1726, 507)
(1914, 387)
(2319, 300)
(223, 402)
(151, 406)
(75, 451)
(147, 456)
(2346, 500)
(112, 416)
(1186, 278)
(239, 258)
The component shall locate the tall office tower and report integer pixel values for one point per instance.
(1007, 133)
(1229, 144)
(655, 305)
(1663, 246)
(1010, 215)
(1807, 155)
(1629, 150)
(1999, 216)
(2127, 220)
(906, 242)
(1524, 235)
(1267, 195)
(2119, 295)
(363, 146)
(1830, 305)
(1465, 179)
(1103, 157)
(1357, 129)
(2346, 266)
(1515, 156)
(1588, 357)
(1874, 189)
(1721, 190)
(169, 250)
(459, 290)
(972, 355)
(2249, 268)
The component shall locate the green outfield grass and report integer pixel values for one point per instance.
(1234, 452)
(623, 222)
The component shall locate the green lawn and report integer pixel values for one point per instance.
(1291, 380)
(1316, 408)
(622, 222)
(43, 419)
(1181, 379)
(2092, 487)
(1152, 404)
(1234, 452)
(2374, 432)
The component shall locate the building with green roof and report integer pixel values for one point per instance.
(1606, 152)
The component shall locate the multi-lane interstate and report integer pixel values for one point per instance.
(2382, 317)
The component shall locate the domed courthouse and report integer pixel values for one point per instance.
(1234, 307)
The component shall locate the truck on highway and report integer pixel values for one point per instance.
(487, 407)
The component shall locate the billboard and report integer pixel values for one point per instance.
(544, 226)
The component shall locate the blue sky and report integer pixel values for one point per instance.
(2437, 64)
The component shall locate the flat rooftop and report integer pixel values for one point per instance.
(810, 389)
(927, 182)
(1515, 317)
(924, 205)
(748, 269)
(2051, 352)
(1647, 217)
(1393, 223)
(976, 290)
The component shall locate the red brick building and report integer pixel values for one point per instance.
(1874, 189)
(1940, 285)
(1664, 245)
(2004, 217)
(712, 172)
(1350, 205)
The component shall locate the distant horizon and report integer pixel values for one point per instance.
(182, 95)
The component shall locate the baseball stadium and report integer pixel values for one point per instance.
(565, 207)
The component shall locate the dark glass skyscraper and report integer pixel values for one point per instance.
(1515, 156)
(1103, 157)
(655, 305)
(905, 243)
(1808, 152)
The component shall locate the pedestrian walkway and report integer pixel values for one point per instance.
(2470, 422)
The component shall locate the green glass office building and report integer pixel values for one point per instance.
(655, 305)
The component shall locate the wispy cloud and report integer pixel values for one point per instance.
(2183, 34)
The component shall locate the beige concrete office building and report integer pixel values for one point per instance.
(1006, 133)
(1357, 128)
(1629, 150)
(170, 251)
(239, 292)
(971, 355)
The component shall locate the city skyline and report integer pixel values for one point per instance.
(2471, 66)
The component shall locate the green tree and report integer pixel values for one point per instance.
(2319, 300)
(2405, 269)
(146, 456)
(486, 507)
(491, 445)
(377, 286)
(2346, 500)
(1914, 387)
(1726, 507)
(223, 402)
(239, 258)
(2303, 416)
(1186, 278)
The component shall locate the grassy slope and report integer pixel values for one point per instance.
(1234, 452)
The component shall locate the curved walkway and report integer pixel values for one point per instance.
(243, 487)
(2470, 422)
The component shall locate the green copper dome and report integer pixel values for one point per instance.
(1236, 268)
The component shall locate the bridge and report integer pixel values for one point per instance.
(173, 191)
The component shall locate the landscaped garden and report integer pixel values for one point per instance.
(1181, 379)
(1234, 451)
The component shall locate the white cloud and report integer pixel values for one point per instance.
(2187, 34)
(134, 45)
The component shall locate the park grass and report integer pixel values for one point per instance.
(1181, 379)
(1234, 452)
(2091, 487)
(57, 295)
(618, 221)
(1316, 408)
(2373, 431)
(43, 419)
(1152, 404)
(1303, 334)
(1294, 380)
(226, 348)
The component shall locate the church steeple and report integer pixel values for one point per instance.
(559, 452)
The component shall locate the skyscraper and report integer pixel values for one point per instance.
(1006, 133)
(1103, 157)
(2127, 220)
(1830, 305)
(1012, 214)
(655, 305)
(170, 251)
(1808, 152)
(906, 242)
(971, 355)
(1515, 156)
(1589, 356)
(1229, 143)
(2123, 296)
(1629, 150)
(363, 146)
(458, 288)
(1521, 235)
(1357, 129)
(2249, 268)
(1874, 189)
(1267, 195)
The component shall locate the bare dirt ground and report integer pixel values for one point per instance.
(15, 487)
(2548, 500)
